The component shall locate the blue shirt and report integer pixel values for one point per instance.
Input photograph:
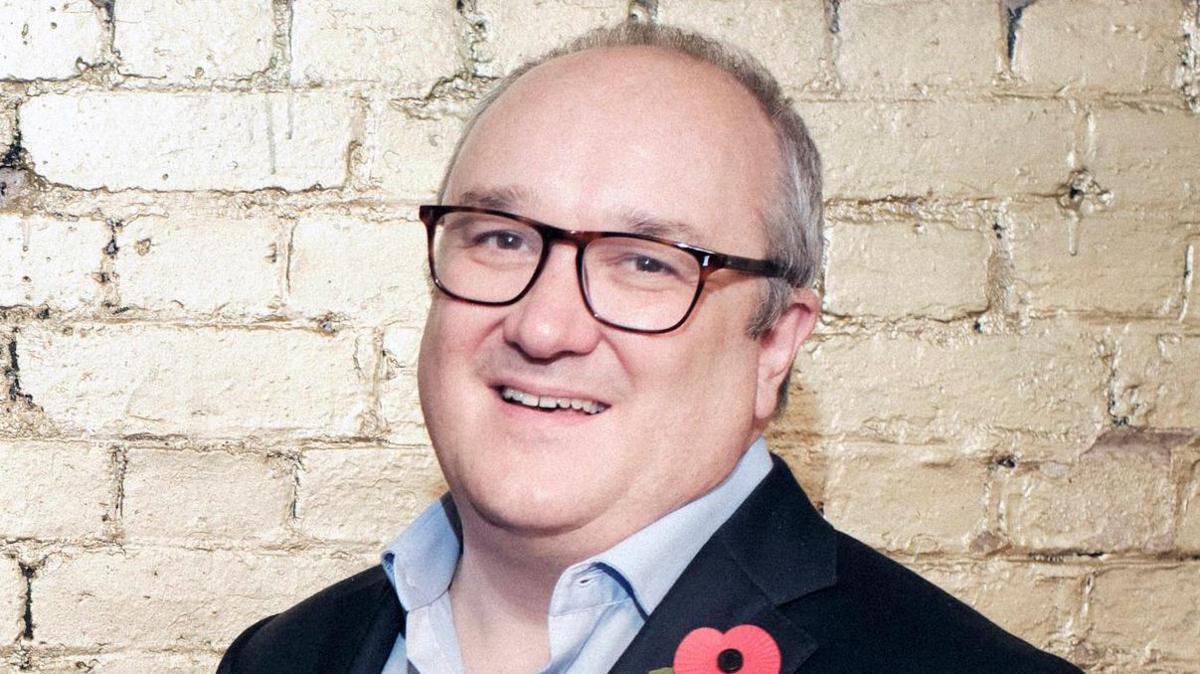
(598, 605)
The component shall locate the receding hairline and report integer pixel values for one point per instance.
(760, 131)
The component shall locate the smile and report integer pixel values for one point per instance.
(551, 402)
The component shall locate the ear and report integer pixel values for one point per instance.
(777, 348)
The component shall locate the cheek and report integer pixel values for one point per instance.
(713, 377)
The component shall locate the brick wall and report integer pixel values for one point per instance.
(211, 292)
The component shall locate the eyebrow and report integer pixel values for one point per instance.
(511, 198)
(504, 198)
(663, 228)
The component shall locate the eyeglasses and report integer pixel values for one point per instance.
(629, 281)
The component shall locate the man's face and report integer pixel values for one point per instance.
(598, 141)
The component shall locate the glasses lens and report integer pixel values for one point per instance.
(638, 284)
(484, 258)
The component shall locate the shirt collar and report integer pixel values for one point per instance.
(421, 562)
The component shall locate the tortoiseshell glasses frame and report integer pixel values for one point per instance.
(641, 250)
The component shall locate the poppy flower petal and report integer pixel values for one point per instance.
(707, 651)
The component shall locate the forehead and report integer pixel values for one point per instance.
(588, 138)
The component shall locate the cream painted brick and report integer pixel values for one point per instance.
(365, 495)
(1188, 536)
(944, 149)
(519, 30)
(1114, 262)
(1148, 157)
(48, 261)
(1148, 612)
(357, 268)
(1125, 46)
(8, 127)
(1156, 383)
(902, 386)
(207, 381)
(190, 262)
(911, 499)
(178, 41)
(899, 269)
(1037, 602)
(400, 404)
(401, 346)
(407, 46)
(909, 45)
(173, 598)
(54, 491)
(412, 153)
(170, 494)
(209, 141)
(12, 600)
(788, 37)
(131, 662)
(43, 40)
(1116, 497)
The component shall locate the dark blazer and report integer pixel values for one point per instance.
(832, 604)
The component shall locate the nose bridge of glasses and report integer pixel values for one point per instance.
(572, 249)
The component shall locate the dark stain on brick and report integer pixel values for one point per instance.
(107, 7)
(643, 11)
(13, 156)
(1013, 10)
(28, 572)
(12, 372)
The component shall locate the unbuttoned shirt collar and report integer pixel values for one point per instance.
(598, 604)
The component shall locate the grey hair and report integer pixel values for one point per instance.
(792, 220)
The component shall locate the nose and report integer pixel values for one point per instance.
(551, 320)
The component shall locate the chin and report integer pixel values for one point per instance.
(517, 507)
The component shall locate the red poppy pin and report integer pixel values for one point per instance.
(746, 649)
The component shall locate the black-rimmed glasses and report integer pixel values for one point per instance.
(630, 281)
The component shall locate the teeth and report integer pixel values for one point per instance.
(551, 402)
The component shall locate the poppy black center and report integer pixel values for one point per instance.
(729, 660)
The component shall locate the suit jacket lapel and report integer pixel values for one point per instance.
(369, 638)
(775, 548)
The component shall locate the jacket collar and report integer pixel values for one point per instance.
(774, 549)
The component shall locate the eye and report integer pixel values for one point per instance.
(501, 239)
(649, 265)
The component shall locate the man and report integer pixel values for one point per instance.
(596, 394)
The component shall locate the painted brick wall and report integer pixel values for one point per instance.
(212, 287)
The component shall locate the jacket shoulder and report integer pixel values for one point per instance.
(300, 639)
(884, 617)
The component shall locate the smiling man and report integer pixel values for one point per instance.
(621, 257)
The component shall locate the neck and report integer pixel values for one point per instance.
(500, 596)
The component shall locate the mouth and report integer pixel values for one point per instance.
(549, 403)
